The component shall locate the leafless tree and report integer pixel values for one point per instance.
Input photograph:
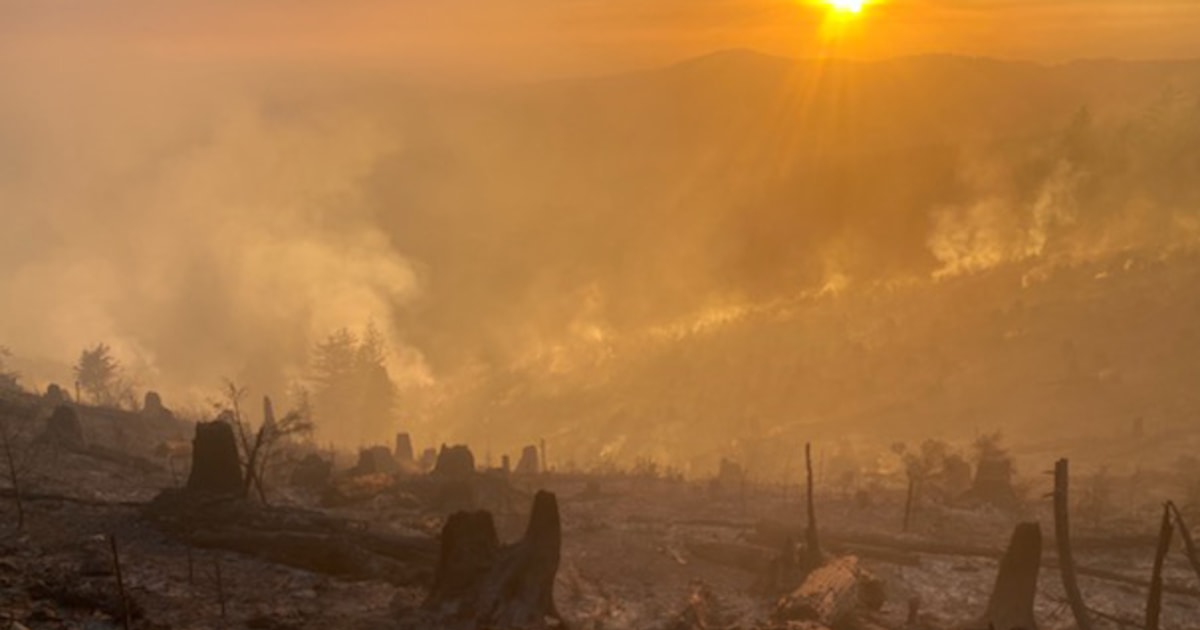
(259, 445)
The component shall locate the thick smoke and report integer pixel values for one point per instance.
(572, 258)
(201, 231)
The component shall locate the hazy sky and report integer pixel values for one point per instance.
(531, 39)
(212, 186)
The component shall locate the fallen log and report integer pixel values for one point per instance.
(320, 553)
(755, 559)
(9, 493)
(832, 595)
(767, 533)
(294, 537)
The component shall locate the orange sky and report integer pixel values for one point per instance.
(532, 39)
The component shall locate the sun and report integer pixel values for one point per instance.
(847, 6)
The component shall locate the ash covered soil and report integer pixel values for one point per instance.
(637, 551)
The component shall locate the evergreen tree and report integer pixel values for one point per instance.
(352, 385)
(98, 374)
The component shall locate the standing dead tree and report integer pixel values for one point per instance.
(116, 561)
(258, 445)
(1189, 544)
(908, 500)
(1062, 535)
(14, 476)
(811, 540)
(1154, 600)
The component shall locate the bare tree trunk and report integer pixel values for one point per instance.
(811, 542)
(1062, 535)
(13, 477)
(908, 501)
(116, 558)
(1154, 601)
(1189, 544)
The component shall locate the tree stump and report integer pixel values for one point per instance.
(375, 460)
(56, 396)
(404, 449)
(468, 551)
(1011, 604)
(428, 460)
(153, 408)
(483, 585)
(63, 429)
(455, 462)
(216, 468)
(528, 464)
(993, 482)
(312, 472)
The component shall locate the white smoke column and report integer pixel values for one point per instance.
(202, 239)
(998, 227)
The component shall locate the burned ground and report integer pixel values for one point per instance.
(637, 550)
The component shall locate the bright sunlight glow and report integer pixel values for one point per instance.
(847, 6)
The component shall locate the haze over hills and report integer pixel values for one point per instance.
(681, 260)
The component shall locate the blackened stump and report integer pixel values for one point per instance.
(63, 428)
(1011, 604)
(483, 585)
(375, 460)
(216, 468)
(404, 449)
(455, 462)
(528, 464)
(468, 550)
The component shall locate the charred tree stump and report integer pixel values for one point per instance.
(63, 429)
(468, 551)
(455, 462)
(483, 585)
(1154, 600)
(1011, 604)
(404, 450)
(519, 592)
(1062, 535)
(528, 464)
(375, 460)
(216, 468)
(312, 472)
